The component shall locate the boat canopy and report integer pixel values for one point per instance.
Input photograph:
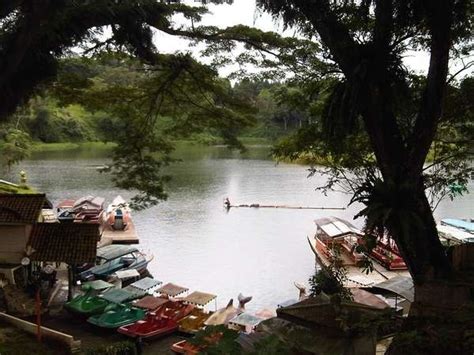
(118, 295)
(459, 223)
(127, 274)
(135, 292)
(199, 298)
(456, 234)
(66, 204)
(172, 290)
(335, 227)
(89, 201)
(146, 284)
(97, 285)
(400, 285)
(150, 302)
(114, 251)
(246, 320)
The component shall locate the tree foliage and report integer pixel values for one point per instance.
(14, 146)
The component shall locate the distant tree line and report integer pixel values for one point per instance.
(59, 114)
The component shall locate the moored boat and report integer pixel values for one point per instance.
(386, 253)
(116, 315)
(161, 322)
(195, 321)
(118, 214)
(113, 258)
(90, 302)
(336, 241)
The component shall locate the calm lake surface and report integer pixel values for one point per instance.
(196, 243)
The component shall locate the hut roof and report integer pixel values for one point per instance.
(322, 312)
(72, 243)
(21, 208)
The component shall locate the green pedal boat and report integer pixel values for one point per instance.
(90, 302)
(117, 315)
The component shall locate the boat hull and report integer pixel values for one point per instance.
(158, 323)
(86, 306)
(115, 318)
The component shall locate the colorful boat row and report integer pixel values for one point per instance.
(338, 241)
(90, 209)
(136, 313)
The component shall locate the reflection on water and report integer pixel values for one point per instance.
(196, 243)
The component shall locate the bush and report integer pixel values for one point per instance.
(122, 348)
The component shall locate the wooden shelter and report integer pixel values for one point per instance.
(18, 214)
(70, 243)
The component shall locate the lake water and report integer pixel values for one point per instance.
(196, 243)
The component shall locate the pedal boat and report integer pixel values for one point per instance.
(117, 315)
(158, 323)
(90, 302)
(195, 321)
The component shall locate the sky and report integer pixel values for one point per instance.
(245, 12)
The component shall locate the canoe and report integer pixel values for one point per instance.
(117, 315)
(159, 323)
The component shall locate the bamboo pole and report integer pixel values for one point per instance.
(285, 207)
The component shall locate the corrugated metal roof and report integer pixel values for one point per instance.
(399, 285)
(21, 209)
(459, 223)
(456, 234)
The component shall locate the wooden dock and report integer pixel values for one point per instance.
(126, 236)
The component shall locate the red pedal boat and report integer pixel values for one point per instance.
(160, 323)
(185, 347)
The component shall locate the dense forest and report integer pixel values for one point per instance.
(61, 114)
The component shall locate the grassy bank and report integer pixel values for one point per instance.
(50, 147)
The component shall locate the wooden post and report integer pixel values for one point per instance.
(69, 282)
(38, 312)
